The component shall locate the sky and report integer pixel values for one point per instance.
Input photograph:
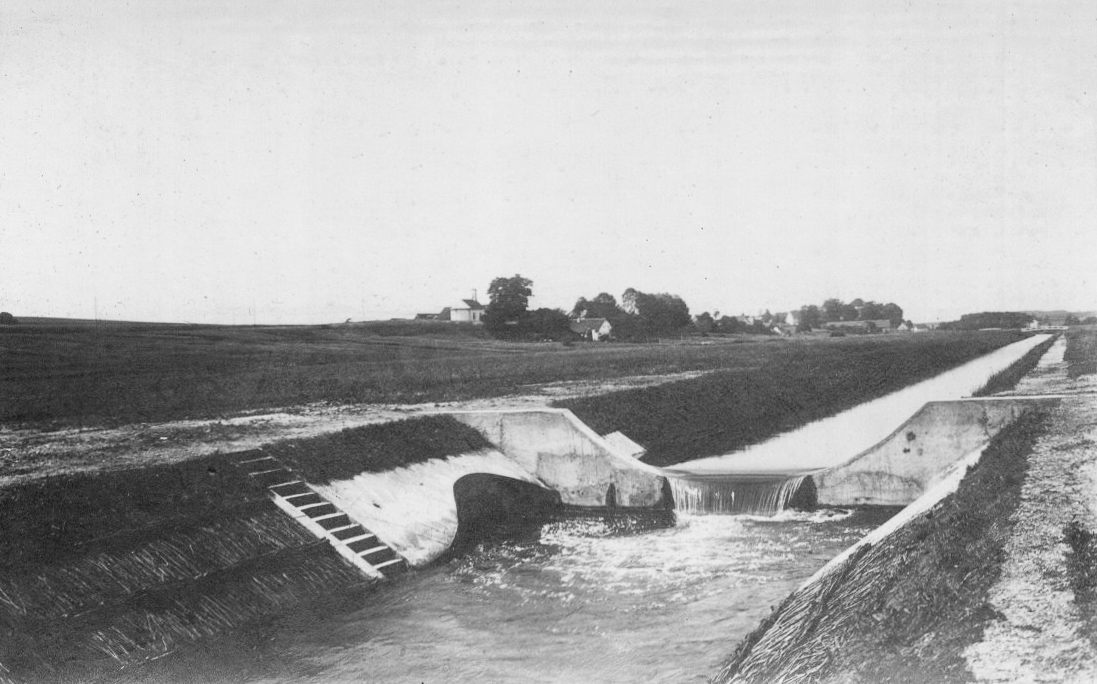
(277, 161)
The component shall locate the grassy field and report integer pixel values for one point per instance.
(787, 386)
(62, 373)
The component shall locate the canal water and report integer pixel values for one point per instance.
(584, 600)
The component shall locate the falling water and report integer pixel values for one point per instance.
(729, 495)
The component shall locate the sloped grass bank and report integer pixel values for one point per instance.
(104, 571)
(905, 609)
(1081, 352)
(1007, 379)
(61, 517)
(376, 448)
(802, 382)
(1082, 571)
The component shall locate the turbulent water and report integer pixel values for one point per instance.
(587, 600)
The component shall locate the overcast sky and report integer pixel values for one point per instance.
(285, 161)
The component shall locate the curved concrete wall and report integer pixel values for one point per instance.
(413, 509)
(917, 455)
(569, 457)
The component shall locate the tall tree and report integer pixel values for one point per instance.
(893, 313)
(509, 303)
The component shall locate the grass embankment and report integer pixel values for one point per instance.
(1007, 379)
(376, 448)
(70, 373)
(59, 517)
(794, 384)
(905, 609)
(98, 571)
(1082, 570)
(1081, 352)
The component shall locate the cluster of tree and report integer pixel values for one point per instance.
(835, 310)
(990, 319)
(640, 315)
(7, 319)
(508, 316)
(763, 325)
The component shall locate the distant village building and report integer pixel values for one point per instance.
(465, 311)
(594, 329)
(793, 318)
(880, 325)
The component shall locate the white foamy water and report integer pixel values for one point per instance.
(588, 600)
(832, 441)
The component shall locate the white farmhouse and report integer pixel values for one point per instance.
(594, 329)
(466, 311)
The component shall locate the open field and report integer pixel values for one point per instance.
(59, 374)
(787, 387)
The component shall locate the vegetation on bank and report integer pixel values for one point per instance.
(72, 373)
(1007, 379)
(791, 385)
(1081, 352)
(1082, 572)
(376, 448)
(905, 609)
(70, 515)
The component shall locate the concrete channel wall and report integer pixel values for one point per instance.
(570, 458)
(919, 452)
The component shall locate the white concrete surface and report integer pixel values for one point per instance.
(412, 509)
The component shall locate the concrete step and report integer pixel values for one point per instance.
(291, 488)
(363, 543)
(273, 478)
(393, 567)
(323, 518)
(320, 511)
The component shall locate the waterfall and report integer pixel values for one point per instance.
(729, 495)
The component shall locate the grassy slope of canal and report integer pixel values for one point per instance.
(902, 610)
(799, 382)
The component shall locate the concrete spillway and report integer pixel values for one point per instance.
(888, 451)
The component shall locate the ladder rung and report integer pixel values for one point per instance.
(255, 460)
(394, 561)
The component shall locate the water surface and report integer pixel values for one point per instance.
(586, 600)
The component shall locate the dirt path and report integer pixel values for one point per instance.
(31, 454)
(1039, 635)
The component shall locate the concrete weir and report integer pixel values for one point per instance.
(570, 458)
(919, 453)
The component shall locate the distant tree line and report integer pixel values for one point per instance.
(642, 316)
(990, 319)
